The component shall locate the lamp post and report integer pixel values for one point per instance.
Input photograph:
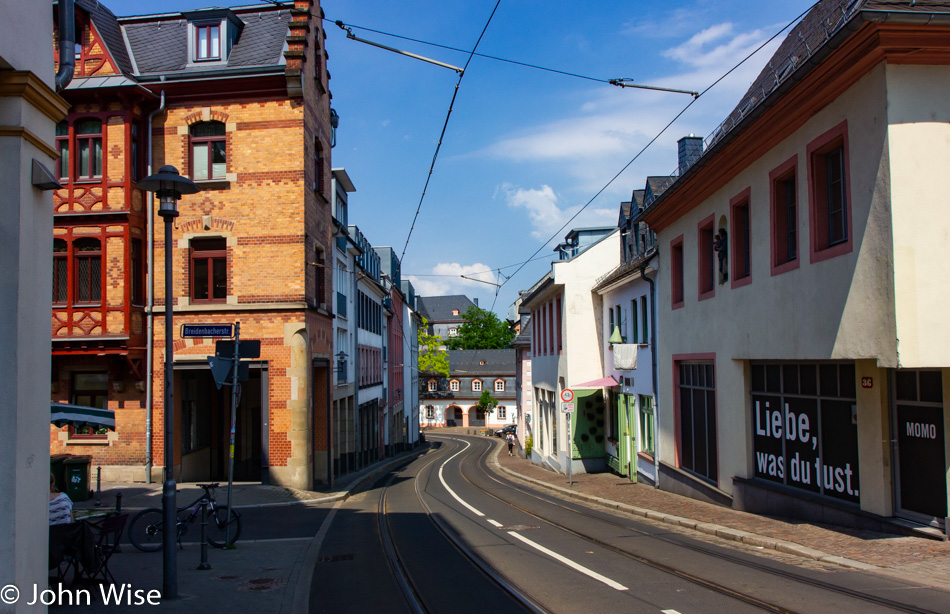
(169, 186)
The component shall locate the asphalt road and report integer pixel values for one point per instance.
(535, 551)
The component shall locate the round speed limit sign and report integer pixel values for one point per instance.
(567, 395)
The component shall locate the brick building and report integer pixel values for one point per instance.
(236, 99)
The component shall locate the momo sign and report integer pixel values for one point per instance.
(802, 438)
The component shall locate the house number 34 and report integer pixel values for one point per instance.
(867, 382)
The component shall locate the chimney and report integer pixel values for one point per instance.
(690, 149)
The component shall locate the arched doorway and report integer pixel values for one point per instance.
(476, 416)
(453, 416)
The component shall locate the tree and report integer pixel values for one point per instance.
(481, 330)
(487, 399)
(432, 359)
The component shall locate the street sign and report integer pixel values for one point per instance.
(567, 395)
(206, 330)
(222, 371)
(250, 348)
(567, 408)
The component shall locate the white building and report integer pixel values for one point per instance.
(566, 352)
(29, 111)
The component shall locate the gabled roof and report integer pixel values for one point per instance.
(439, 308)
(467, 363)
(108, 27)
(637, 198)
(656, 186)
(625, 209)
(160, 43)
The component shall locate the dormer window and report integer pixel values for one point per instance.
(208, 42)
(211, 34)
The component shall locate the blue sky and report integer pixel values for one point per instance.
(524, 148)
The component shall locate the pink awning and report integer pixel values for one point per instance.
(604, 382)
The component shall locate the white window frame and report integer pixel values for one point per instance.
(454, 385)
(499, 385)
(476, 385)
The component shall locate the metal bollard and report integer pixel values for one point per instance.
(204, 536)
(98, 486)
(118, 502)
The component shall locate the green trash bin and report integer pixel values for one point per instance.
(58, 469)
(77, 477)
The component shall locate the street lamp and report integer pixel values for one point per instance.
(169, 186)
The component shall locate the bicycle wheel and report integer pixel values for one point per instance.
(217, 527)
(146, 530)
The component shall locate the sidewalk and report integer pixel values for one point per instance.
(264, 576)
(915, 559)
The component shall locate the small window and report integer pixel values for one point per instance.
(208, 42)
(62, 146)
(741, 240)
(829, 204)
(455, 312)
(644, 321)
(90, 390)
(319, 162)
(137, 273)
(453, 332)
(208, 151)
(430, 412)
(87, 260)
(433, 385)
(676, 270)
(647, 425)
(499, 385)
(89, 149)
(707, 258)
(60, 272)
(454, 385)
(477, 385)
(784, 195)
(209, 270)
(502, 412)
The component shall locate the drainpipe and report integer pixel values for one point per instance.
(67, 44)
(356, 361)
(656, 391)
(150, 345)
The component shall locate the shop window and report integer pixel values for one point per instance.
(208, 150)
(209, 270)
(804, 425)
(698, 438)
(90, 390)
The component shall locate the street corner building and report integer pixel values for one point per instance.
(800, 299)
(237, 99)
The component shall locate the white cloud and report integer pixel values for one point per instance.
(547, 217)
(446, 278)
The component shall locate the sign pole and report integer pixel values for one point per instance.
(234, 401)
(570, 452)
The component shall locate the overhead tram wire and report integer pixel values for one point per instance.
(621, 83)
(653, 140)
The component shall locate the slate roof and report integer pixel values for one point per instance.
(497, 362)
(439, 308)
(108, 26)
(637, 198)
(656, 186)
(158, 43)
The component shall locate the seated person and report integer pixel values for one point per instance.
(60, 505)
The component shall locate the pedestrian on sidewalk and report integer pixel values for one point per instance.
(511, 442)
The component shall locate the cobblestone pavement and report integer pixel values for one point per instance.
(914, 558)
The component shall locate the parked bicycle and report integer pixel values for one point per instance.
(146, 529)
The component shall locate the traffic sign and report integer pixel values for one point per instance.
(250, 348)
(207, 330)
(567, 395)
(222, 370)
(567, 408)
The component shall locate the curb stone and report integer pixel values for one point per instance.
(720, 531)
